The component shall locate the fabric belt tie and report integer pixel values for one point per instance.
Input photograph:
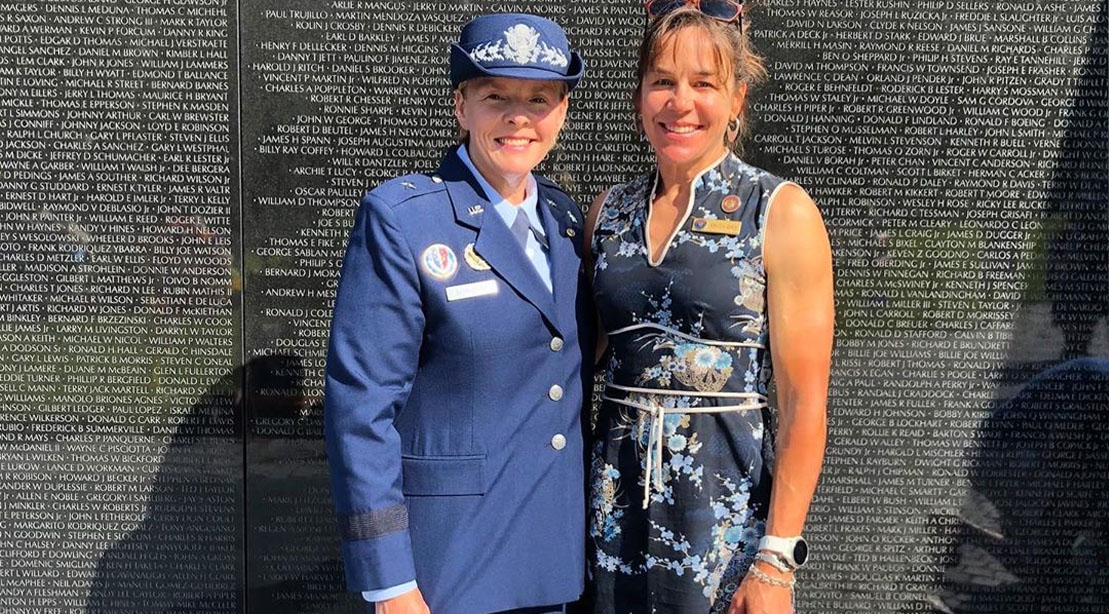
(653, 467)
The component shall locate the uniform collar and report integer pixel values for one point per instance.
(495, 242)
(465, 193)
(506, 209)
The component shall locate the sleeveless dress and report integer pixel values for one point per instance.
(683, 424)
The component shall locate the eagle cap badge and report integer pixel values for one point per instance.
(522, 43)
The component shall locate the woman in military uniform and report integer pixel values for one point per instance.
(709, 275)
(455, 376)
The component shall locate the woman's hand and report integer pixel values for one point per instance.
(411, 602)
(757, 596)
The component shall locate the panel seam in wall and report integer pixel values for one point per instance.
(244, 406)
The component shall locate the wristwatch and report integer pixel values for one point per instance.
(793, 551)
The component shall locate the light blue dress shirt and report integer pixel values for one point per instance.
(539, 259)
(535, 251)
(389, 593)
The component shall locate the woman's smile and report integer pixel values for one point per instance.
(514, 142)
(680, 130)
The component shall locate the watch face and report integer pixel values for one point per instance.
(800, 552)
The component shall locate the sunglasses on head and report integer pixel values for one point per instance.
(723, 10)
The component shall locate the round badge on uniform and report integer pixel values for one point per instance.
(730, 204)
(476, 262)
(439, 261)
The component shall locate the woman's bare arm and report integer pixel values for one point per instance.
(798, 261)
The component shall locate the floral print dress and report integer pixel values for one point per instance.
(682, 458)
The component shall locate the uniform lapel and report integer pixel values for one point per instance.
(466, 196)
(495, 242)
(564, 257)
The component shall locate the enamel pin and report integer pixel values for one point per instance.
(716, 227)
(476, 209)
(730, 204)
(440, 262)
(476, 262)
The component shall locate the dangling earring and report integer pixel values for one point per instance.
(732, 133)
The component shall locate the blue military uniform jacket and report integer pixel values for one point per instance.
(454, 391)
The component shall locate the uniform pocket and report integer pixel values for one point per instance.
(443, 475)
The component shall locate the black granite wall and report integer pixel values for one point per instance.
(177, 181)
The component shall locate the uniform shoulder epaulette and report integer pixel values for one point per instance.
(547, 183)
(564, 199)
(400, 189)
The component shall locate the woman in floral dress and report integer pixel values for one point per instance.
(701, 268)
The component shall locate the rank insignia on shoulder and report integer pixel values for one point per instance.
(476, 262)
(408, 184)
(439, 261)
(717, 227)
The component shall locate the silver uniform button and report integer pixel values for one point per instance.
(555, 392)
(556, 344)
(558, 441)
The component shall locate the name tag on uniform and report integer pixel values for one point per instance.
(471, 290)
(717, 227)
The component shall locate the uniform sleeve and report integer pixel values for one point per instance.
(372, 357)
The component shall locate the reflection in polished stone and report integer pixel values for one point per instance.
(1033, 533)
(185, 554)
(292, 558)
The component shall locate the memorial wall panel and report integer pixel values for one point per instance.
(959, 152)
(178, 179)
(120, 478)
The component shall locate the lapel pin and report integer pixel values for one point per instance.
(730, 204)
(476, 209)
